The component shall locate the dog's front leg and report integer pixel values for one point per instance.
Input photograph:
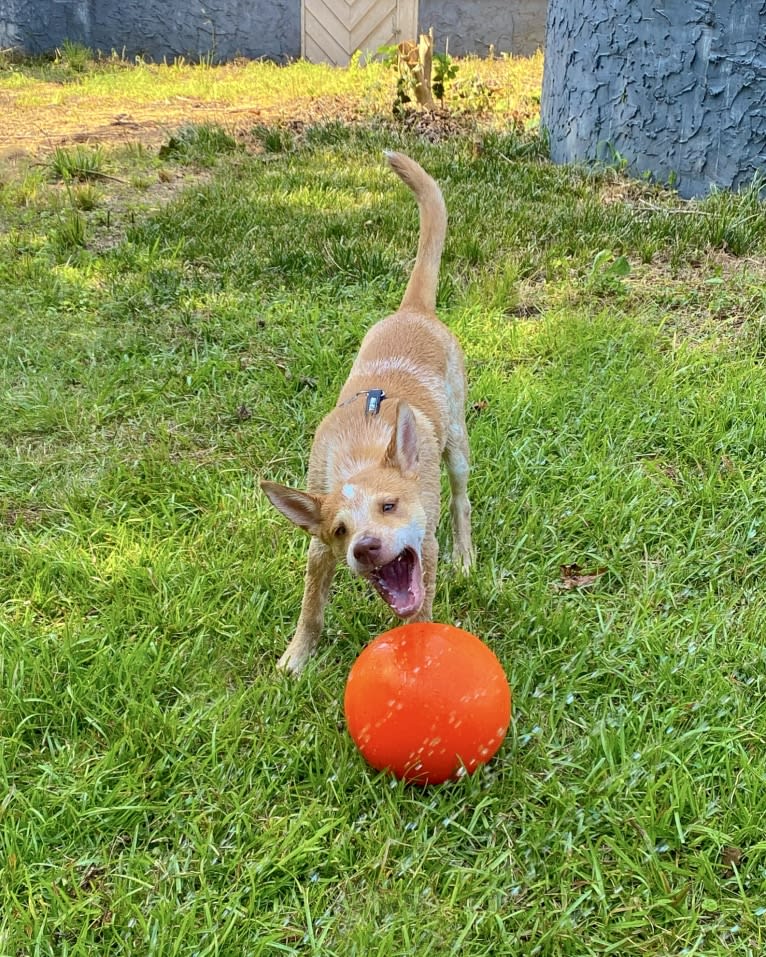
(319, 574)
(429, 556)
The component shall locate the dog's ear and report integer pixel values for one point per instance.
(402, 452)
(302, 508)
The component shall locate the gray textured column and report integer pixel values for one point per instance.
(676, 89)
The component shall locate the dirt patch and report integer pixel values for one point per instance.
(34, 130)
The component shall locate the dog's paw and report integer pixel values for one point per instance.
(293, 661)
(464, 559)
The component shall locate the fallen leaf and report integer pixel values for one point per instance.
(731, 857)
(572, 576)
(481, 405)
(282, 366)
(92, 876)
(104, 919)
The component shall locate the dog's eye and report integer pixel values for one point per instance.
(340, 531)
(388, 506)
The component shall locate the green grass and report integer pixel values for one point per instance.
(114, 76)
(78, 163)
(164, 790)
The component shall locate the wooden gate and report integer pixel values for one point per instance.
(332, 30)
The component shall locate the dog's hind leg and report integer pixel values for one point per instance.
(319, 575)
(457, 460)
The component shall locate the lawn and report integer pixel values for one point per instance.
(176, 319)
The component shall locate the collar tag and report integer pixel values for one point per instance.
(374, 398)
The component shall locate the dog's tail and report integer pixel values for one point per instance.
(420, 293)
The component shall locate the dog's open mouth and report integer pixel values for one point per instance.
(400, 583)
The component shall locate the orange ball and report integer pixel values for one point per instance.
(428, 702)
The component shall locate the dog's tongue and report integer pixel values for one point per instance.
(400, 583)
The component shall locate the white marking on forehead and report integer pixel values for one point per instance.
(379, 367)
(349, 491)
(343, 463)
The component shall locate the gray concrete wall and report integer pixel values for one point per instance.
(156, 28)
(254, 28)
(676, 89)
(14, 17)
(473, 26)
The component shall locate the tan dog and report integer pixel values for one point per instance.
(373, 480)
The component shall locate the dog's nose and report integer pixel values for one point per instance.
(367, 549)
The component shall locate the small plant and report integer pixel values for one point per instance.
(329, 133)
(391, 56)
(607, 272)
(70, 234)
(417, 81)
(77, 163)
(136, 151)
(30, 268)
(444, 70)
(274, 139)
(86, 197)
(198, 144)
(474, 95)
(75, 56)
(9, 59)
(608, 154)
(29, 190)
(207, 60)
(388, 55)
(422, 75)
(734, 221)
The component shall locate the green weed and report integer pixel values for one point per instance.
(273, 139)
(199, 145)
(444, 70)
(27, 189)
(70, 232)
(76, 163)
(74, 56)
(86, 197)
(736, 222)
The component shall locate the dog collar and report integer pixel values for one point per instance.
(374, 398)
